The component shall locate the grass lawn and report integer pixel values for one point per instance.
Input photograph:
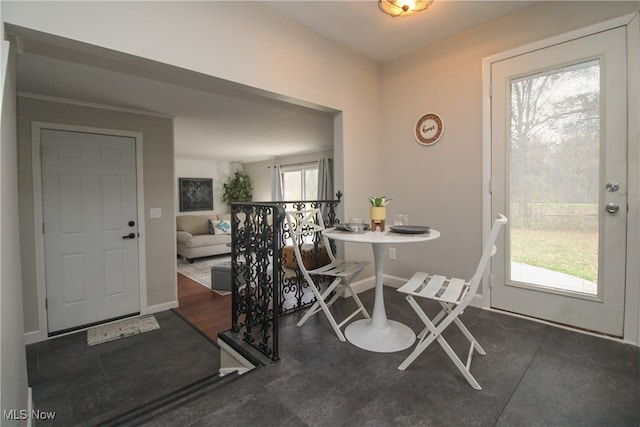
(569, 252)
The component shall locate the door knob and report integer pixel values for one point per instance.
(612, 187)
(612, 208)
(130, 236)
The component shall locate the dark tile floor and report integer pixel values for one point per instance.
(87, 385)
(533, 375)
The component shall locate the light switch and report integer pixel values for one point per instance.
(155, 213)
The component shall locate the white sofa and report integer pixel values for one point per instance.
(203, 235)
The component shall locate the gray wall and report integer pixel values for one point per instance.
(159, 235)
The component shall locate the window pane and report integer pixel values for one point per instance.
(311, 184)
(554, 162)
(292, 183)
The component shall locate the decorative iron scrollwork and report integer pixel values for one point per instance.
(263, 288)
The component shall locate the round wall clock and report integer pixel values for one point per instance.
(429, 129)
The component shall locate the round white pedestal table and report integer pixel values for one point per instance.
(380, 334)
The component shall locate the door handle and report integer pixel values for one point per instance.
(130, 236)
(612, 208)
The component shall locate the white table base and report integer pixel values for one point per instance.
(380, 334)
(394, 337)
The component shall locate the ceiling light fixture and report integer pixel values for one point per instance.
(403, 7)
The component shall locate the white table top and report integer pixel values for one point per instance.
(378, 236)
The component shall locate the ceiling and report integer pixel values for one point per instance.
(212, 120)
(360, 25)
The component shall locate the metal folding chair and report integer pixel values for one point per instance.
(305, 225)
(453, 295)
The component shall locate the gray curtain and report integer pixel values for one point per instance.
(325, 179)
(276, 184)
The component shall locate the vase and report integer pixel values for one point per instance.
(378, 213)
(378, 217)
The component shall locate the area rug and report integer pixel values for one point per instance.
(124, 328)
(200, 270)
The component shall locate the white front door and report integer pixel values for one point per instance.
(90, 227)
(559, 138)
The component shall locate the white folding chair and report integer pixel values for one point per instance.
(454, 295)
(307, 223)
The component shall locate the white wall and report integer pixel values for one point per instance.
(438, 185)
(217, 170)
(258, 41)
(13, 366)
(446, 192)
(261, 49)
(444, 187)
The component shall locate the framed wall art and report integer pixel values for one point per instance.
(429, 129)
(196, 194)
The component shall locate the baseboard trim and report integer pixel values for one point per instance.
(394, 281)
(29, 406)
(370, 283)
(33, 337)
(160, 307)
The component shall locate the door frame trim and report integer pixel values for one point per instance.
(41, 290)
(631, 326)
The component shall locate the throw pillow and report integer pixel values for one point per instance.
(211, 227)
(223, 227)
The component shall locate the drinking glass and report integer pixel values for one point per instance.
(355, 224)
(401, 219)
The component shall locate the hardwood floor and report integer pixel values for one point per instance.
(205, 309)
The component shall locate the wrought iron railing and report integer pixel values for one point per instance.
(263, 287)
(295, 294)
(255, 255)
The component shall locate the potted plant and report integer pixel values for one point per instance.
(238, 188)
(378, 211)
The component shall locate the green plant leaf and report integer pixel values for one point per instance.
(379, 201)
(237, 188)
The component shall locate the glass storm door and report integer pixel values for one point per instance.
(559, 136)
